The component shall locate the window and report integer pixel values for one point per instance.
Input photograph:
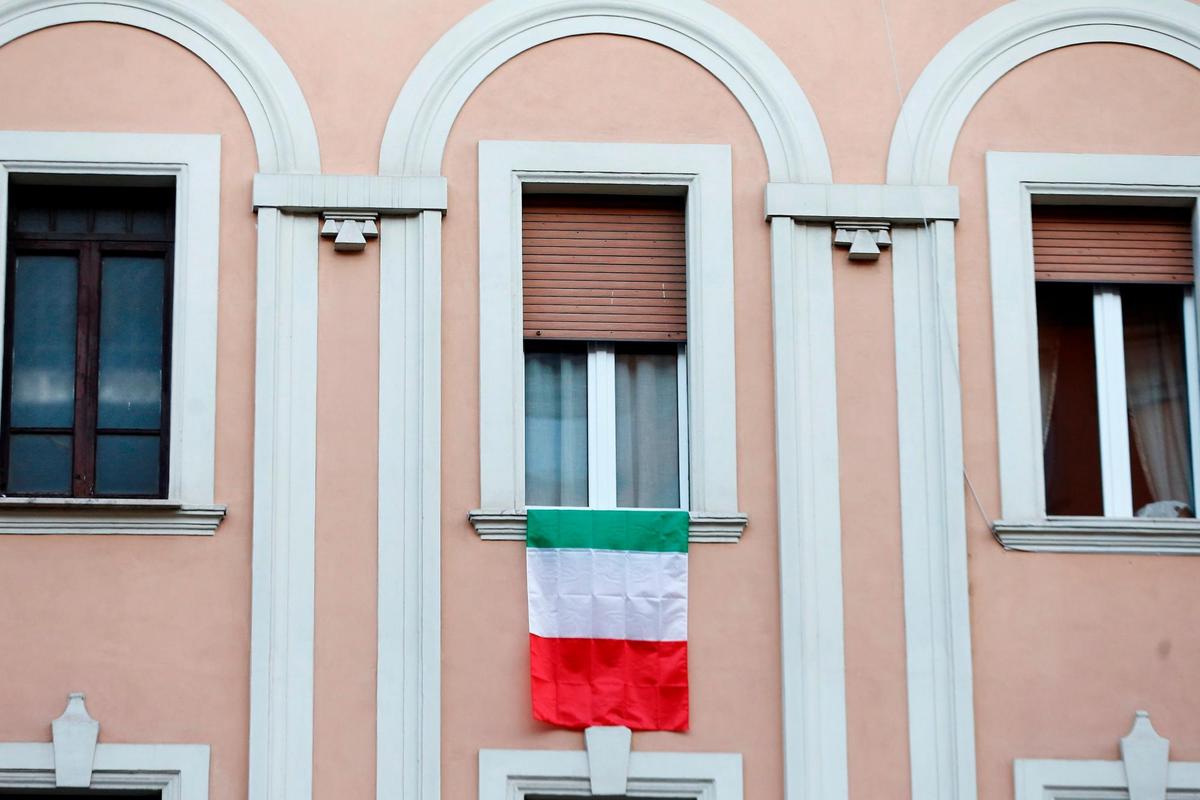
(1093, 276)
(1116, 357)
(648, 383)
(605, 326)
(87, 351)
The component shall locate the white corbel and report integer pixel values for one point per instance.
(1146, 756)
(75, 734)
(349, 230)
(608, 758)
(863, 238)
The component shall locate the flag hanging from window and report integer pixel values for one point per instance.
(608, 617)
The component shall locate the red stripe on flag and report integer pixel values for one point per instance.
(583, 682)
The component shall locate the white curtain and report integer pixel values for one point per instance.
(556, 429)
(1156, 387)
(647, 430)
(1049, 349)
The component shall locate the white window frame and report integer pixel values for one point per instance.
(179, 771)
(517, 774)
(704, 172)
(194, 162)
(1013, 181)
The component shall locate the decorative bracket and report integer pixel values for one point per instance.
(349, 230)
(608, 758)
(1146, 757)
(75, 734)
(863, 238)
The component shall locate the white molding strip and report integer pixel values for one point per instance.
(408, 703)
(32, 516)
(948, 88)
(937, 626)
(1136, 536)
(1062, 779)
(177, 771)
(810, 540)
(509, 526)
(285, 406)
(420, 121)
(828, 202)
(702, 170)
(225, 40)
(380, 193)
(517, 774)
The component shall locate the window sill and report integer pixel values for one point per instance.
(509, 526)
(73, 516)
(1128, 535)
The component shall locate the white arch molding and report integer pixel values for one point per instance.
(929, 399)
(285, 371)
(408, 729)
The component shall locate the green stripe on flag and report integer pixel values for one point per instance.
(595, 529)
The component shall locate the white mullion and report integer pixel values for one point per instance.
(602, 425)
(684, 461)
(1111, 402)
(1192, 364)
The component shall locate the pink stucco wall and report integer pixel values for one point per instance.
(156, 630)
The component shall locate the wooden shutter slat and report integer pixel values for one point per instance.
(1102, 244)
(604, 268)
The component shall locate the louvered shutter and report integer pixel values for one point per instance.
(604, 268)
(1108, 244)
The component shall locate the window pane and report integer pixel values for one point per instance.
(647, 429)
(131, 342)
(556, 428)
(33, 219)
(126, 465)
(39, 463)
(1156, 391)
(43, 341)
(1070, 421)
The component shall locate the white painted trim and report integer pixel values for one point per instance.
(285, 424)
(314, 194)
(1111, 403)
(1013, 180)
(516, 774)
(1134, 536)
(193, 161)
(1061, 779)
(420, 121)
(26, 516)
(703, 171)
(178, 771)
(810, 540)
(225, 40)
(509, 526)
(948, 88)
(815, 202)
(408, 678)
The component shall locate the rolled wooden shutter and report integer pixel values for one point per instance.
(604, 268)
(1110, 244)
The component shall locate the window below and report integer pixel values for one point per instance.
(87, 350)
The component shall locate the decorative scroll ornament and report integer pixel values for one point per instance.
(863, 238)
(350, 231)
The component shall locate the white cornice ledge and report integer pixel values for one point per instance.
(703, 527)
(384, 194)
(829, 202)
(1101, 535)
(48, 516)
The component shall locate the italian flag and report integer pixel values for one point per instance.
(608, 617)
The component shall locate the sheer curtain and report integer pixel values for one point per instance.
(1156, 388)
(1049, 350)
(556, 428)
(647, 429)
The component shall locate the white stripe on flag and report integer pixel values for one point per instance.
(607, 594)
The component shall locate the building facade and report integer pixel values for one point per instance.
(307, 304)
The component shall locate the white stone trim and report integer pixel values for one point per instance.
(314, 194)
(1013, 180)
(225, 40)
(705, 173)
(179, 771)
(516, 774)
(193, 161)
(420, 121)
(948, 88)
(830, 202)
(1061, 779)
(509, 526)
